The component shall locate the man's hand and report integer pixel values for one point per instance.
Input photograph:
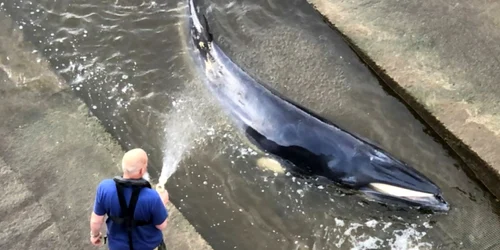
(96, 222)
(163, 193)
(96, 240)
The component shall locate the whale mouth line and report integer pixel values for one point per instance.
(399, 191)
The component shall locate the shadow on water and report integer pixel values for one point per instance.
(128, 61)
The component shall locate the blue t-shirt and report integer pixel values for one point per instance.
(149, 207)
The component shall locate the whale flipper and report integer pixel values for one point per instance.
(271, 164)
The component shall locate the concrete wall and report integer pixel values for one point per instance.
(52, 156)
(443, 58)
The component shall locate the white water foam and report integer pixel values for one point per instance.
(401, 239)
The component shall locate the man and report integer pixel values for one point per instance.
(129, 228)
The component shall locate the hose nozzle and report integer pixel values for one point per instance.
(160, 187)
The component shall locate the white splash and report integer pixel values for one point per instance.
(371, 223)
(185, 127)
(365, 242)
(409, 239)
(357, 236)
(180, 129)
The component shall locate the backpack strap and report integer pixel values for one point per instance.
(127, 212)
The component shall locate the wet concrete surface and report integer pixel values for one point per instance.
(52, 156)
(444, 57)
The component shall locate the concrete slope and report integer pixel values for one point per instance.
(444, 59)
(52, 156)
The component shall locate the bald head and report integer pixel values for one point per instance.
(134, 163)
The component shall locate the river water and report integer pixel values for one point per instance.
(129, 61)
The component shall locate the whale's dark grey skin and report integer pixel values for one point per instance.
(310, 145)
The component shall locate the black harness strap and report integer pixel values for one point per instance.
(127, 212)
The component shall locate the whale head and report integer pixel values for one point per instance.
(200, 33)
(389, 181)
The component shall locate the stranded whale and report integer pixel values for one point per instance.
(309, 145)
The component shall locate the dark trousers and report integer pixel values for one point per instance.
(162, 246)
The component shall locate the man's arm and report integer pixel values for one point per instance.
(163, 225)
(159, 212)
(96, 222)
(97, 215)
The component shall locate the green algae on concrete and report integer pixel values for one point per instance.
(52, 156)
(444, 57)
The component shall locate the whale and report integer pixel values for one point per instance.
(308, 145)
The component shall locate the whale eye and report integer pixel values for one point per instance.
(397, 191)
